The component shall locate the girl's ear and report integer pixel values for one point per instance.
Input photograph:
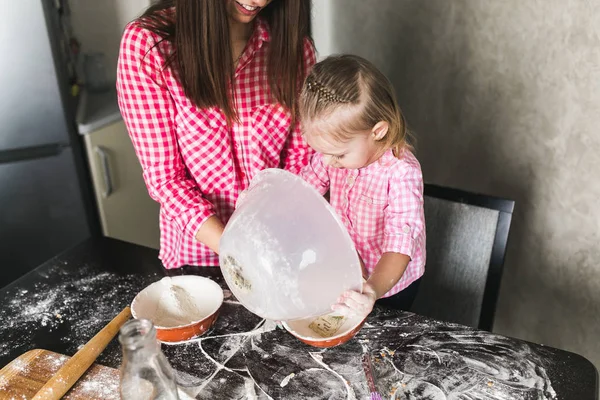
(380, 130)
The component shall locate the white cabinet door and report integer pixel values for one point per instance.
(126, 210)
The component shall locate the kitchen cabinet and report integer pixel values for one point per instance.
(126, 210)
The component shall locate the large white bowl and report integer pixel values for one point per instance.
(285, 254)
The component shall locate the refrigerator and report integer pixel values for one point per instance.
(45, 203)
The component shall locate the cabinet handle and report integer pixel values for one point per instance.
(108, 184)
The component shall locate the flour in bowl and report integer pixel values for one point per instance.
(176, 307)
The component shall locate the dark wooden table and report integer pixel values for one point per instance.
(64, 302)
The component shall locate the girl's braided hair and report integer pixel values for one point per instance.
(351, 83)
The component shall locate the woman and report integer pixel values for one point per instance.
(208, 91)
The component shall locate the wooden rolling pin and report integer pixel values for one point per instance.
(76, 366)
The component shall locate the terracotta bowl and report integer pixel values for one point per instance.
(180, 307)
(325, 331)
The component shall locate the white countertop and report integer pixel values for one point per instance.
(96, 110)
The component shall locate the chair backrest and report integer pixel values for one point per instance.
(466, 244)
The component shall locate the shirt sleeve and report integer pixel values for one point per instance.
(149, 114)
(316, 174)
(296, 152)
(404, 216)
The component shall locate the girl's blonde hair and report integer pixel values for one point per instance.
(351, 83)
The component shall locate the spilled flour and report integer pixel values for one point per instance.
(245, 357)
(76, 304)
(454, 362)
(286, 380)
(105, 386)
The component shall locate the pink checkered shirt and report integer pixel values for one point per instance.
(194, 165)
(381, 205)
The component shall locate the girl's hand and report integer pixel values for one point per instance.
(210, 233)
(365, 273)
(355, 303)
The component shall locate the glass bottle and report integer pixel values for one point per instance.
(145, 372)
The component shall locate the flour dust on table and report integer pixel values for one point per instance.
(79, 306)
(231, 362)
(413, 358)
(244, 356)
(449, 361)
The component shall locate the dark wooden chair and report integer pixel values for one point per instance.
(467, 235)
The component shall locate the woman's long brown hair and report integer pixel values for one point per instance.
(202, 60)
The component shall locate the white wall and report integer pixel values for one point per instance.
(322, 27)
(98, 25)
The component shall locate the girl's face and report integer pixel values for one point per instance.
(244, 11)
(358, 152)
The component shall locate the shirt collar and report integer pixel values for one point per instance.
(384, 161)
(260, 35)
(261, 30)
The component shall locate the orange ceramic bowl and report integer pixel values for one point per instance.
(325, 331)
(180, 307)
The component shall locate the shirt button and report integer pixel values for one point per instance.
(406, 229)
(350, 180)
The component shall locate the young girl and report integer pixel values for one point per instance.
(351, 119)
(208, 90)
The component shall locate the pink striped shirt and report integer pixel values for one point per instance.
(381, 205)
(194, 165)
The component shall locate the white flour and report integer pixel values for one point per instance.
(176, 307)
(422, 360)
(105, 386)
(71, 306)
(457, 364)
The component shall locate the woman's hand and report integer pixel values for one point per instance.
(355, 303)
(210, 233)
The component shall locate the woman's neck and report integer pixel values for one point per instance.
(239, 32)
